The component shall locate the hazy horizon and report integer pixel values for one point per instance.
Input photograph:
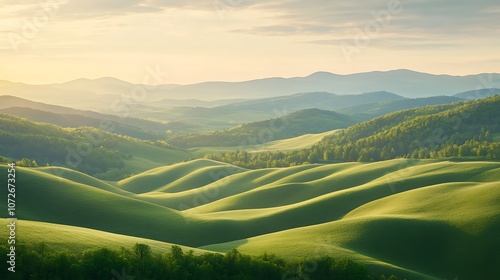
(247, 80)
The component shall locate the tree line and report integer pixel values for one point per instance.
(38, 262)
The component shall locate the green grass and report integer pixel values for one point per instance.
(422, 219)
(453, 225)
(78, 177)
(175, 175)
(77, 239)
(300, 142)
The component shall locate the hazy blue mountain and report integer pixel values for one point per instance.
(170, 103)
(403, 82)
(319, 100)
(102, 94)
(266, 108)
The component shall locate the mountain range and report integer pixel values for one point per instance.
(105, 94)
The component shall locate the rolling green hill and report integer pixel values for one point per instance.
(179, 177)
(93, 151)
(308, 121)
(421, 219)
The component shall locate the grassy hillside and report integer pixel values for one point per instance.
(308, 121)
(300, 142)
(404, 216)
(295, 143)
(90, 150)
(179, 177)
(77, 239)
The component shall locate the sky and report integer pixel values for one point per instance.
(191, 41)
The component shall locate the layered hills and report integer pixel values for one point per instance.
(403, 216)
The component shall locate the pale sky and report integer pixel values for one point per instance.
(234, 40)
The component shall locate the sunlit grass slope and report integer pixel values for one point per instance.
(82, 178)
(177, 177)
(300, 142)
(77, 239)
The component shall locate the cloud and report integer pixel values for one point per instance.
(446, 18)
(301, 17)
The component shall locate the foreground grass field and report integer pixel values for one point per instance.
(420, 219)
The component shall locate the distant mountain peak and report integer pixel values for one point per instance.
(102, 81)
(322, 75)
